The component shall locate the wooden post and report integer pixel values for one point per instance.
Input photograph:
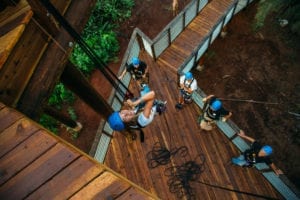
(76, 82)
(43, 17)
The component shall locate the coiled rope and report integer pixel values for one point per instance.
(161, 155)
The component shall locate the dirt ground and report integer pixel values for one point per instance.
(256, 74)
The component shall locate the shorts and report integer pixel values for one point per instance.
(143, 121)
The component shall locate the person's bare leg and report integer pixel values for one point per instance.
(181, 101)
(175, 7)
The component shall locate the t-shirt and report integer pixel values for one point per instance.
(251, 155)
(215, 114)
(139, 71)
(192, 85)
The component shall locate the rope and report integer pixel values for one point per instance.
(237, 191)
(248, 100)
(180, 178)
(162, 156)
(92, 55)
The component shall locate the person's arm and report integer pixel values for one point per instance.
(224, 119)
(147, 97)
(275, 169)
(243, 135)
(207, 98)
(181, 82)
(123, 74)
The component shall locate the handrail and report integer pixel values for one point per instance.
(229, 128)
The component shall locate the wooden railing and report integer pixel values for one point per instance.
(154, 48)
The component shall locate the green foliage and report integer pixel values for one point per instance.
(104, 44)
(72, 113)
(61, 95)
(99, 33)
(285, 9)
(113, 10)
(264, 8)
(49, 123)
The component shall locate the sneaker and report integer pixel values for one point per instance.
(178, 106)
(161, 107)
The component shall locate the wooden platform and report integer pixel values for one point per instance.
(35, 164)
(179, 129)
(28, 72)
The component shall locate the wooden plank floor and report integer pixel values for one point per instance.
(34, 164)
(175, 129)
(193, 34)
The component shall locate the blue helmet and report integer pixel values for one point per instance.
(188, 75)
(267, 149)
(135, 61)
(216, 105)
(115, 122)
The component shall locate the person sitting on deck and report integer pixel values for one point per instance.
(256, 154)
(187, 86)
(212, 111)
(138, 70)
(126, 119)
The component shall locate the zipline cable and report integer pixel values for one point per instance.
(248, 100)
(92, 55)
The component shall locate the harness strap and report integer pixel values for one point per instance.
(190, 82)
(140, 128)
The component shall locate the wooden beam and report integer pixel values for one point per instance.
(52, 64)
(59, 116)
(43, 17)
(75, 81)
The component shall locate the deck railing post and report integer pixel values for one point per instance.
(153, 52)
(197, 6)
(183, 21)
(169, 36)
(235, 5)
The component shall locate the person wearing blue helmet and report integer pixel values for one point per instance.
(138, 70)
(187, 85)
(257, 153)
(212, 111)
(128, 118)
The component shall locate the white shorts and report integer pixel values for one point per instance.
(143, 121)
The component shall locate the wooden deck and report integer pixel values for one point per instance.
(179, 129)
(34, 164)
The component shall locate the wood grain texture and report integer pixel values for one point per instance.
(179, 128)
(35, 164)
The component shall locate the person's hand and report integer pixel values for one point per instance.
(130, 103)
(204, 99)
(224, 119)
(120, 77)
(241, 133)
(278, 172)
